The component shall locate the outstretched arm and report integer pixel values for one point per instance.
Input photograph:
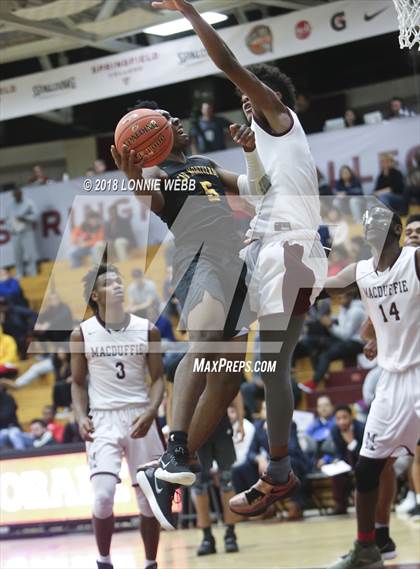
(344, 281)
(265, 102)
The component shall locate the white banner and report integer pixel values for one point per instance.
(359, 147)
(180, 60)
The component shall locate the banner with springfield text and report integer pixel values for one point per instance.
(359, 147)
(183, 59)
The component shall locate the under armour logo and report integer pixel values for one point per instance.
(370, 441)
(172, 437)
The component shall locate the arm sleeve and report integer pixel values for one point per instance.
(256, 181)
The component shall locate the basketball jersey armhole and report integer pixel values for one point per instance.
(270, 131)
(416, 269)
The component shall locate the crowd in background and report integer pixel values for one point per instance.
(323, 436)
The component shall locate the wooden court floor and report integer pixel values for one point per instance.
(314, 543)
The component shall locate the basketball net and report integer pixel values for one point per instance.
(409, 22)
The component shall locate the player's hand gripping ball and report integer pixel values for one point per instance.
(148, 133)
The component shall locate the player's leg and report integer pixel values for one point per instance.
(415, 472)
(221, 388)
(104, 458)
(104, 486)
(202, 502)
(205, 324)
(225, 456)
(138, 451)
(386, 495)
(279, 335)
(149, 530)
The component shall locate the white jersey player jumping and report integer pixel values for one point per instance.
(286, 263)
(389, 285)
(112, 349)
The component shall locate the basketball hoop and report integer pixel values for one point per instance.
(409, 22)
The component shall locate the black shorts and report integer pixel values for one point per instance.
(219, 448)
(219, 272)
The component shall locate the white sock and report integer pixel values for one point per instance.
(104, 558)
(148, 562)
(418, 499)
(377, 526)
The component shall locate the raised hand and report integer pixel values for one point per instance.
(128, 162)
(176, 5)
(243, 135)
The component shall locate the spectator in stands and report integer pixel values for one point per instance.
(87, 239)
(389, 186)
(413, 180)
(99, 167)
(56, 429)
(208, 132)
(337, 260)
(62, 386)
(351, 118)
(8, 355)
(347, 435)
(359, 250)
(10, 288)
(21, 218)
(397, 109)
(38, 177)
(72, 432)
(316, 337)
(242, 478)
(309, 117)
(55, 323)
(40, 434)
(42, 367)
(347, 187)
(142, 293)
(17, 321)
(345, 338)
(412, 231)
(319, 443)
(323, 186)
(338, 227)
(119, 233)
(11, 435)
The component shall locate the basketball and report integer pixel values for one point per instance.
(148, 133)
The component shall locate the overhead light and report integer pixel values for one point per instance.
(183, 25)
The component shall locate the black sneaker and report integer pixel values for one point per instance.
(160, 495)
(153, 565)
(207, 546)
(386, 545)
(414, 513)
(103, 565)
(231, 545)
(175, 469)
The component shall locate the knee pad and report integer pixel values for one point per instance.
(201, 484)
(143, 504)
(104, 486)
(226, 481)
(368, 472)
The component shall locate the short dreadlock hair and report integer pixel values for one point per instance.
(90, 279)
(271, 76)
(140, 104)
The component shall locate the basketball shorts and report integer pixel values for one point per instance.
(219, 272)
(393, 424)
(286, 272)
(112, 442)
